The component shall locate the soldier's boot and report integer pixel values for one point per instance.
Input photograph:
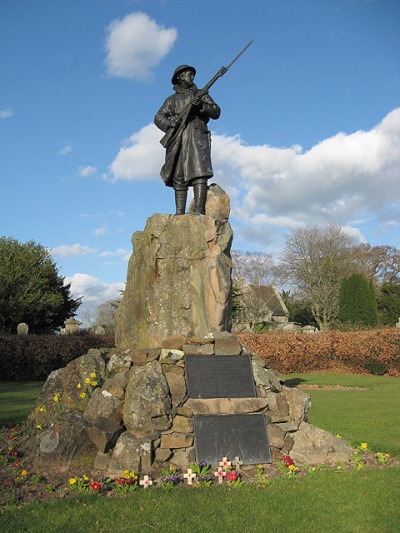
(200, 196)
(180, 201)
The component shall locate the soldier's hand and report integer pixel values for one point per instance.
(196, 100)
(173, 123)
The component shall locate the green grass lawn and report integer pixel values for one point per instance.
(369, 415)
(327, 501)
(17, 400)
(366, 500)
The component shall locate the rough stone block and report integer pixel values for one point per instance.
(198, 349)
(146, 398)
(174, 342)
(184, 410)
(103, 404)
(276, 455)
(170, 356)
(314, 446)
(104, 433)
(218, 204)
(183, 458)
(276, 437)
(289, 427)
(75, 373)
(266, 380)
(278, 407)
(178, 282)
(288, 444)
(119, 362)
(177, 386)
(144, 356)
(299, 403)
(182, 424)
(161, 423)
(129, 454)
(162, 455)
(102, 461)
(176, 440)
(60, 444)
(226, 406)
(226, 344)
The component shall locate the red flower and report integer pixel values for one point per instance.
(95, 485)
(13, 452)
(121, 481)
(232, 476)
(287, 460)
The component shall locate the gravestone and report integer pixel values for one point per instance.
(22, 329)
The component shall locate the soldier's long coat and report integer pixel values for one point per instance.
(189, 156)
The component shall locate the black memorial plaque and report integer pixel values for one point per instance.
(231, 436)
(219, 376)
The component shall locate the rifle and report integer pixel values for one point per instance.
(184, 114)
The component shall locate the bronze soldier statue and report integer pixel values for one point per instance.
(184, 117)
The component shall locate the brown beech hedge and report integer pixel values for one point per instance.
(362, 352)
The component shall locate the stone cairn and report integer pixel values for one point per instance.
(131, 403)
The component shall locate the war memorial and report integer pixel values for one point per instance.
(178, 388)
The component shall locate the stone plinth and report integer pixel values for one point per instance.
(178, 282)
(138, 414)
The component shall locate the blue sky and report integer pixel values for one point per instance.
(309, 131)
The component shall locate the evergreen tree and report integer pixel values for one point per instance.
(357, 302)
(31, 289)
(389, 303)
(299, 309)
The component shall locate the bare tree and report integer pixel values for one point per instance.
(252, 272)
(105, 315)
(383, 263)
(315, 260)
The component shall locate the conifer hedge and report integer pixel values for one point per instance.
(357, 302)
(33, 357)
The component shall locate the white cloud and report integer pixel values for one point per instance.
(142, 156)
(6, 113)
(71, 250)
(341, 179)
(93, 292)
(88, 170)
(135, 45)
(100, 232)
(66, 149)
(119, 252)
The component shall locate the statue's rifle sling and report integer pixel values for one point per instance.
(175, 133)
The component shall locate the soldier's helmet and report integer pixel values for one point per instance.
(180, 69)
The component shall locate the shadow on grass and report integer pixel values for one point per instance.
(294, 382)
